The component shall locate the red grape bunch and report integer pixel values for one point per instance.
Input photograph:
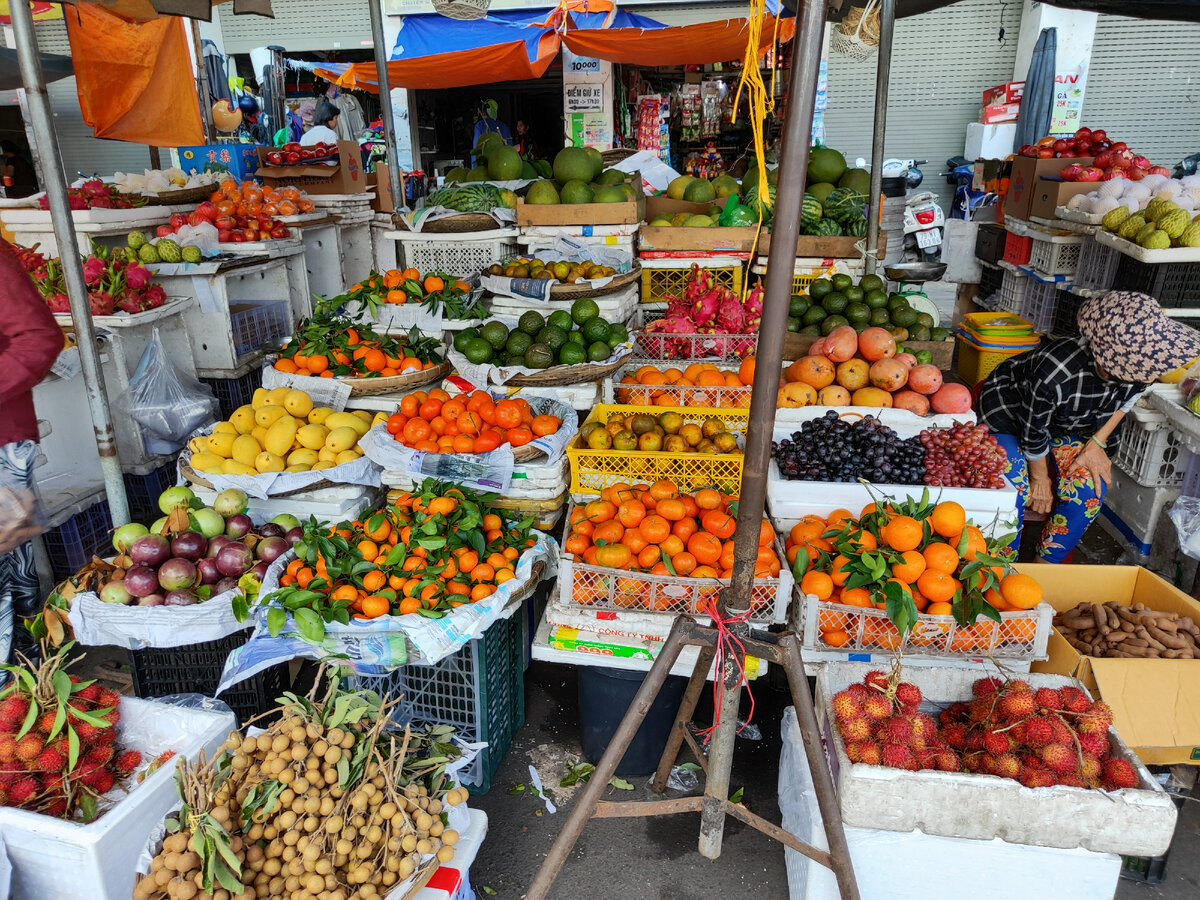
(963, 456)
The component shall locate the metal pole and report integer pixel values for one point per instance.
(55, 187)
(785, 229)
(385, 103)
(883, 71)
(204, 95)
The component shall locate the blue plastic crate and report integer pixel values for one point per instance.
(234, 392)
(72, 544)
(142, 492)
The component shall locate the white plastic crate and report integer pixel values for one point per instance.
(1097, 265)
(1012, 290)
(1151, 451)
(619, 306)
(53, 859)
(683, 395)
(1131, 511)
(1135, 821)
(1037, 303)
(1054, 254)
(461, 255)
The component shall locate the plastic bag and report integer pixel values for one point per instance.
(20, 512)
(1185, 516)
(1189, 387)
(170, 404)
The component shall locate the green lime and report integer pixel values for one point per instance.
(875, 299)
(860, 327)
(599, 351)
(797, 305)
(531, 323)
(854, 294)
(820, 288)
(478, 351)
(583, 309)
(560, 318)
(904, 317)
(813, 315)
(924, 357)
(918, 333)
(939, 334)
(595, 329)
(539, 356)
(617, 334)
(553, 337)
(813, 330)
(495, 333)
(880, 317)
(518, 342)
(465, 337)
(841, 282)
(924, 318)
(857, 312)
(572, 354)
(835, 302)
(793, 323)
(515, 359)
(831, 322)
(576, 337)
(871, 283)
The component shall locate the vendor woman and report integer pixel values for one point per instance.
(1055, 409)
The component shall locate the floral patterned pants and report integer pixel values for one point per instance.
(1077, 497)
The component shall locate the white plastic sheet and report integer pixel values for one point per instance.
(96, 623)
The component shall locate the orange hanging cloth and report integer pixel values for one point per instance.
(135, 80)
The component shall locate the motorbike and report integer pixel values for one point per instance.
(923, 216)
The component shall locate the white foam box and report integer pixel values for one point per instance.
(1132, 511)
(453, 880)
(990, 141)
(331, 504)
(1133, 822)
(53, 859)
(894, 865)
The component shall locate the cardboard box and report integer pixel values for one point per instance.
(702, 240)
(347, 177)
(239, 160)
(1155, 702)
(380, 181)
(1010, 92)
(796, 345)
(1051, 193)
(990, 141)
(1000, 112)
(629, 213)
(1026, 170)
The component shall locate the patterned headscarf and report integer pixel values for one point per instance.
(1132, 339)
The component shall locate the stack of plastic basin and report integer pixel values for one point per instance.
(986, 339)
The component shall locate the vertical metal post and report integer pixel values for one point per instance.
(385, 103)
(155, 158)
(785, 229)
(55, 187)
(883, 72)
(202, 89)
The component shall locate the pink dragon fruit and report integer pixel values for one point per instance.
(731, 317)
(704, 310)
(103, 203)
(754, 309)
(133, 302)
(155, 296)
(95, 189)
(137, 277)
(93, 271)
(101, 303)
(58, 303)
(76, 202)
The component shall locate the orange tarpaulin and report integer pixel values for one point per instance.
(705, 42)
(135, 81)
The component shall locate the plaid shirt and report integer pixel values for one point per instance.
(1052, 391)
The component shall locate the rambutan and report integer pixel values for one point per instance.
(1007, 765)
(1091, 767)
(897, 730)
(987, 764)
(859, 690)
(56, 809)
(54, 781)
(846, 705)
(45, 722)
(105, 736)
(1096, 719)
(1071, 779)
(955, 712)
(975, 741)
(908, 694)
(101, 781)
(1048, 698)
(869, 753)
(107, 697)
(91, 692)
(1060, 758)
(1095, 744)
(24, 791)
(112, 717)
(10, 776)
(895, 756)
(49, 761)
(1039, 731)
(1073, 699)
(8, 749)
(996, 742)
(986, 686)
(876, 679)
(876, 708)
(86, 732)
(947, 761)
(1036, 778)
(29, 748)
(1117, 774)
(1019, 732)
(100, 754)
(1015, 705)
(13, 710)
(852, 751)
(980, 709)
(1017, 686)
(955, 735)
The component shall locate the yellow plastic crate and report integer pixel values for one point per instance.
(975, 363)
(708, 397)
(802, 275)
(594, 470)
(660, 284)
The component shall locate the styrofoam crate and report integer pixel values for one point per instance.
(1132, 511)
(358, 255)
(460, 255)
(1055, 254)
(1151, 451)
(331, 504)
(1097, 265)
(383, 248)
(1136, 821)
(323, 259)
(452, 881)
(52, 859)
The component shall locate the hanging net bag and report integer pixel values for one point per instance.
(857, 35)
(464, 9)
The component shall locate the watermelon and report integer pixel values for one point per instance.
(752, 200)
(856, 227)
(810, 212)
(844, 205)
(828, 228)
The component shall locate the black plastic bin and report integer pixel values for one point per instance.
(604, 697)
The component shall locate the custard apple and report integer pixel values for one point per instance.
(1190, 236)
(1114, 217)
(1131, 226)
(148, 254)
(191, 254)
(1148, 229)
(136, 239)
(1157, 240)
(1174, 222)
(169, 251)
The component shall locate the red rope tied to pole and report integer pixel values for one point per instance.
(727, 642)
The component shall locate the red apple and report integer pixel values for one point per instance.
(1029, 150)
(1104, 159)
(178, 220)
(1099, 134)
(164, 231)
(208, 210)
(1083, 134)
(1045, 153)
(1141, 162)
(251, 234)
(1061, 146)
(291, 147)
(194, 219)
(224, 235)
(1135, 174)
(1101, 145)
(280, 231)
(1117, 145)
(237, 237)
(1110, 174)
(1090, 173)
(275, 158)
(1084, 147)
(225, 223)
(291, 158)
(1071, 172)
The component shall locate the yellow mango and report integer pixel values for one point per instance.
(276, 396)
(298, 468)
(206, 462)
(302, 457)
(364, 414)
(259, 398)
(312, 437)
(298, 403)
(233, 467)
(269, 415)
(221, 444)
(281, 436)
(326, 455)
(242, 419)
(340, 439)
(320, 414)
(198, 444)
(225, 428)
(259, 434)
(324, 464)
(347, 420)
(347, 456)
(380, 419)
(245, 449)
(268, 462)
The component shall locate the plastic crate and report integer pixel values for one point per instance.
(460, 255)
(1171, 284)
(196, 668)
(1151, 451)
(72, 544)
(1066, 311)
(1097, 265)
(658, 345)
(1131, 511)
(662, 282)
(594, 470)
(142, 491)
(480, 690)
(989, 243)
(807, 270)
(1055, 254)
(234, 392)
(976, 363)
(677, 395)
(1037, 303)
(1011, 295)
(990, 279)
(1017, 249)
(258, 326)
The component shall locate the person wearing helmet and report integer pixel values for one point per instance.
(487, 121)
(252, 126)
(325, 120)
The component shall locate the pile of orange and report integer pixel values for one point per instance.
(251, 199)
(654, 386)
(468, 423)
(933, 556)
(658, 529)
(356, 356)
(399, 287)
(382, 569)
